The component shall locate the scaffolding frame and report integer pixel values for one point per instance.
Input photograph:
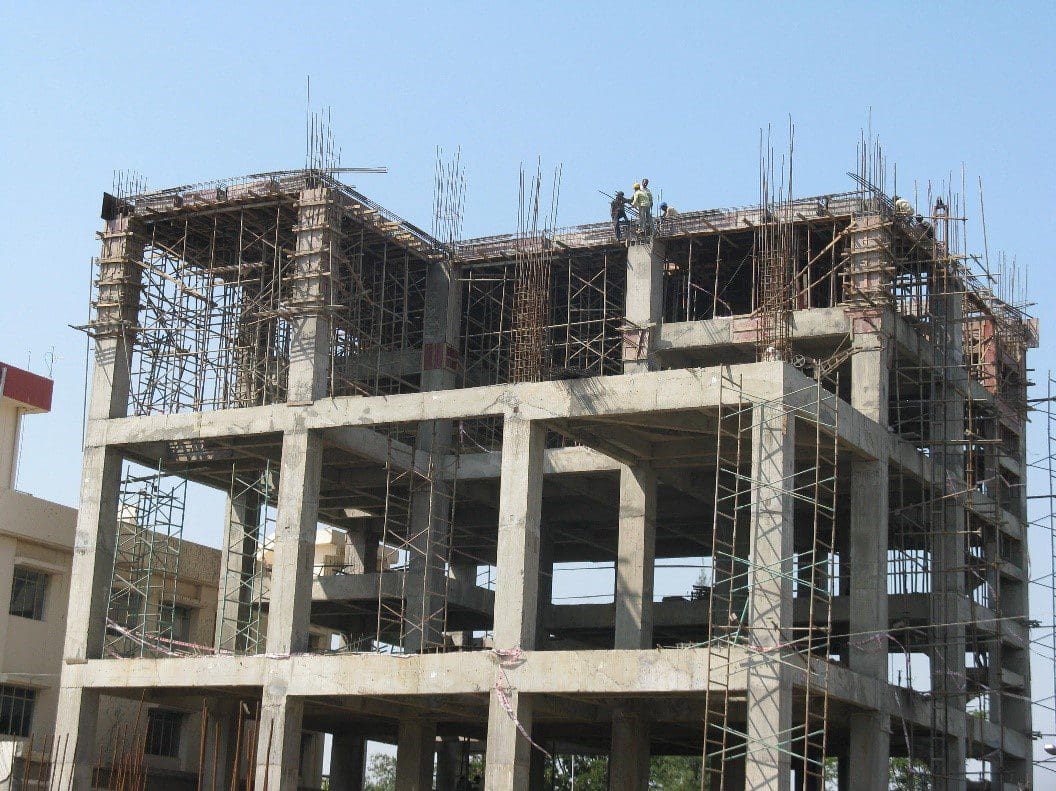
(733, 574)
(245, 587)
(147, 542)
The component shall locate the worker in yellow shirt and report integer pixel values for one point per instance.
(642, 202)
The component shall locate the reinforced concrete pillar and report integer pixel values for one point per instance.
(516, 598)
(318, 229)
(117, 311)
(294, 554)
(361, 551)
(644, 308)
(431, 502)
(629, 757)
(635, 561)
(448, 759)
(278, 756)
(430, 530)
(536, 764)
(348, 762)
(414, 755)
(949, 541)
(870, 731)
(545, 597)
(768, 765)
(219, 744)
(867, 545)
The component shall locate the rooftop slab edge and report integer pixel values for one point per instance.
(706, 221)
(30, 391)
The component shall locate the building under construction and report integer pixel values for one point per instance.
(818, 405)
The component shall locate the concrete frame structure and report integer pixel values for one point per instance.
(640, 430)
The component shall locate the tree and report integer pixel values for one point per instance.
(675, 773)
(587, 772)
(381, 774)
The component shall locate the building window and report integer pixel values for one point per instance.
(126, 609)
(163, 733)
(16, 710)
(28, 590)
(181, 623)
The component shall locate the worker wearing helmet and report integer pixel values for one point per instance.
(903, 208)
(642, 201)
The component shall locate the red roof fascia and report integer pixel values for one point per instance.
(26, 388)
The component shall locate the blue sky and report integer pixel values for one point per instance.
(613, 91)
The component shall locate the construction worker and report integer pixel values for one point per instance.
(642, 201)
(903, 208)
(619, 212)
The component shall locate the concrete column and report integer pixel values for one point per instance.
(464, 574)
(318, 228)
(536, 765)
(278, 757)
(414, 755)
(1015, 710)
(629, 757)
(348, 762)
(516, 597)
(870, 732)
(545, 597)
(361, 551)
(237, 567)
(295, 529)
(219, 744)
(644, 308)
(93, 553)
(520, 500)
(844, 774)
(768, 764)
(508, 759)
(635, 561)
(430, 528)
(948, 678)
(431, 503)
(448, 759)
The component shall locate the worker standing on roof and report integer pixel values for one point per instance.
(667, 214)
(642, 201)
(619, 212)
(903, 208)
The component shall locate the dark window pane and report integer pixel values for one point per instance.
(28, 590)
(163, 733)
(16, 710)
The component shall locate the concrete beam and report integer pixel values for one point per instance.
(720, 334)
(600, 397)
(600, 673)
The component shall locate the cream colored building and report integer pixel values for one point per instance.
(36, 548)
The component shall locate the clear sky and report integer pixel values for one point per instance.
(613, 91)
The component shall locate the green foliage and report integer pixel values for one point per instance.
(675, 773)
(590, 772)
(381, 773)
(909, 776)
